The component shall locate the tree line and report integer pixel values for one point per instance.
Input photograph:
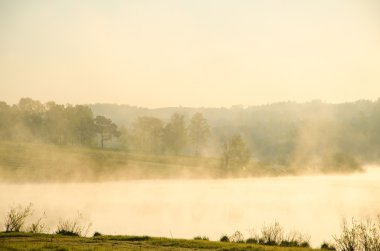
(30, 120)
(287, 136)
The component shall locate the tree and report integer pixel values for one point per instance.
(124, 139)
(147, 134)
(56, 122)
(81, 124)
(7, 122)
(106, 128)
(175, 134)
(235, 153)
(31, 113)
(199, 131)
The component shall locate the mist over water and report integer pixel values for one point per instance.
(314, 205)
(141, 116)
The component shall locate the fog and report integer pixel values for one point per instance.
(314, 205)
(191, 118)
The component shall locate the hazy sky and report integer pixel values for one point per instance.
(190, 53)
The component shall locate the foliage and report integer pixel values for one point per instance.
(97, 234)
(224, 238)
(124, 139)
(327, 246)
(235, 153)
(283, 138)
(147, 133)
(81, 125)
(30, 120)
(175, 134)
(295, 137)
(252, 241)
(105, 128)
(341, 163)
(204, 238)
(199, 131)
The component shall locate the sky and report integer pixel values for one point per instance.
(211, 53)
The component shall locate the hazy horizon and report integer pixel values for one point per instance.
(199, 106)
(189, 53)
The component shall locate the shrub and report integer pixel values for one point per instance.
(38, 226)
(272, 234)
(364, 235)
(252, 241)
(72, 227)
(348, 240)
(97, 234)
(204, 238)
(237, 237)
(327, 246)
(224, 238)
(304, 244)
(15, 218)
(295, 239)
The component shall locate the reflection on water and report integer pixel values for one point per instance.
(186, 208)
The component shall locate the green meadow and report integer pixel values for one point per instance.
(40, 242)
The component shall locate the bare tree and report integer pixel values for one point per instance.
(272, 234)
(73, 227)
(38, 226)
(237, 237)
(15, 219)
(349, 239)
(359, 236)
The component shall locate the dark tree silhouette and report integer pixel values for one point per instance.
(106, 128)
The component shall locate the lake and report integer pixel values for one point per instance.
(314, 205)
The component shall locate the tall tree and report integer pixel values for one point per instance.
(31, 113)
(147, 134)
(81, 124)
(175, 134)
(106, 128)
(235, 153)
(199, 131)
(6, 121)
(56, 122)
(124, 139)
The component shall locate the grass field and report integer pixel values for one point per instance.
(37, 242)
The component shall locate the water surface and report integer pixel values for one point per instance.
(186, 208)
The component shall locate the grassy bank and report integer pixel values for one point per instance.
(41, 162)
(37, 162)
(26, 241)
